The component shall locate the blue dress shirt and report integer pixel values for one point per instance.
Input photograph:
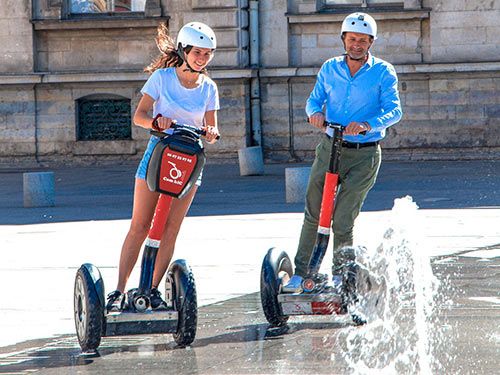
(371, 96)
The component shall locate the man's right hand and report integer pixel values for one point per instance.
(317, 120)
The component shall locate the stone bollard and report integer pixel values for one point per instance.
(296, 179)
(38, 189)
(251, 161)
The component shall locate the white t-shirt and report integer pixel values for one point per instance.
(186, 106)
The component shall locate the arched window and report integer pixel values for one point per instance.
(101, 118)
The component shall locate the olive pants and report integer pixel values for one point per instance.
(358, 169)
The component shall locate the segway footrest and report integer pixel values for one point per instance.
(126, 323)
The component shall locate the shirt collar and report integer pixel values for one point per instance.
(369, 60)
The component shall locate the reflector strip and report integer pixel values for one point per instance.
(152, 243)
(325, 308)
(310, 308)
(324, 230)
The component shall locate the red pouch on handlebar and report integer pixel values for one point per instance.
(175, 164)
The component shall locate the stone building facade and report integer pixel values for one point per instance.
(65, 73)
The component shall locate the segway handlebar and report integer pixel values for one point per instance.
(175, 125)
(336, 126)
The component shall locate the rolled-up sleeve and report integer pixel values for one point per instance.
(391, 111)
(317, 98)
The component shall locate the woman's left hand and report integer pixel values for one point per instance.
(212, 134)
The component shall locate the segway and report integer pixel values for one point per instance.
(317, 297)
(174, 167)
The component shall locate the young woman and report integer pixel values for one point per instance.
(179, 90)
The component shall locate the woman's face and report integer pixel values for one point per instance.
(198, 58)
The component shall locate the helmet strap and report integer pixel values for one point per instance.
(190, 69)
(180, 55)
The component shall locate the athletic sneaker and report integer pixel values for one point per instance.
(116, 301)
(157, 303)
(294, 285)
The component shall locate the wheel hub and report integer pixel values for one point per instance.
(80, 310)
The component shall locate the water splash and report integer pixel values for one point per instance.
(398, 296)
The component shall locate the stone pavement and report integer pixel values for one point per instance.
(232, 223)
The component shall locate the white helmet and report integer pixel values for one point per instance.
(196, 34)
(360, 23)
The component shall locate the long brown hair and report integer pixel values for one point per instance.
(168, 50)
(169, 56)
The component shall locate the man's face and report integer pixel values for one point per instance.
(357, 45)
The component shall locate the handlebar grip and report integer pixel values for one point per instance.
(159, 133)
(154, 123)
(203, 132)
(327, 123)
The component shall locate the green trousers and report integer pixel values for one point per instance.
(358, 169)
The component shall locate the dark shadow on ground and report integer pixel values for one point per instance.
(62, 352)
(105, 193)
(467, 280)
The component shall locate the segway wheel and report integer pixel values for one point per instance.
(88, 307)
(275, 267)
(185, 303)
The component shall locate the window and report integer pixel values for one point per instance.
(360, 3)
(103, 119)
(106, 6)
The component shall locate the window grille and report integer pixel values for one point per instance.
(103, 119)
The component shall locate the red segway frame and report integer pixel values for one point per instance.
(317, 297)
(314, 282)
(328, 200)
(92, 321)
(175, 165)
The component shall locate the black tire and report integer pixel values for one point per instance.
(88, 308)
(275, 265)
(185, 303)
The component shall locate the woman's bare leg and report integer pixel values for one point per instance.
(144, 205)
(178, 211)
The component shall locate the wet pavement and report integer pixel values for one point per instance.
(232, 223)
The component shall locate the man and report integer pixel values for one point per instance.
(360, 92)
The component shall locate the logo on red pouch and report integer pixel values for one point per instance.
(174, 173)
(175, 170)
